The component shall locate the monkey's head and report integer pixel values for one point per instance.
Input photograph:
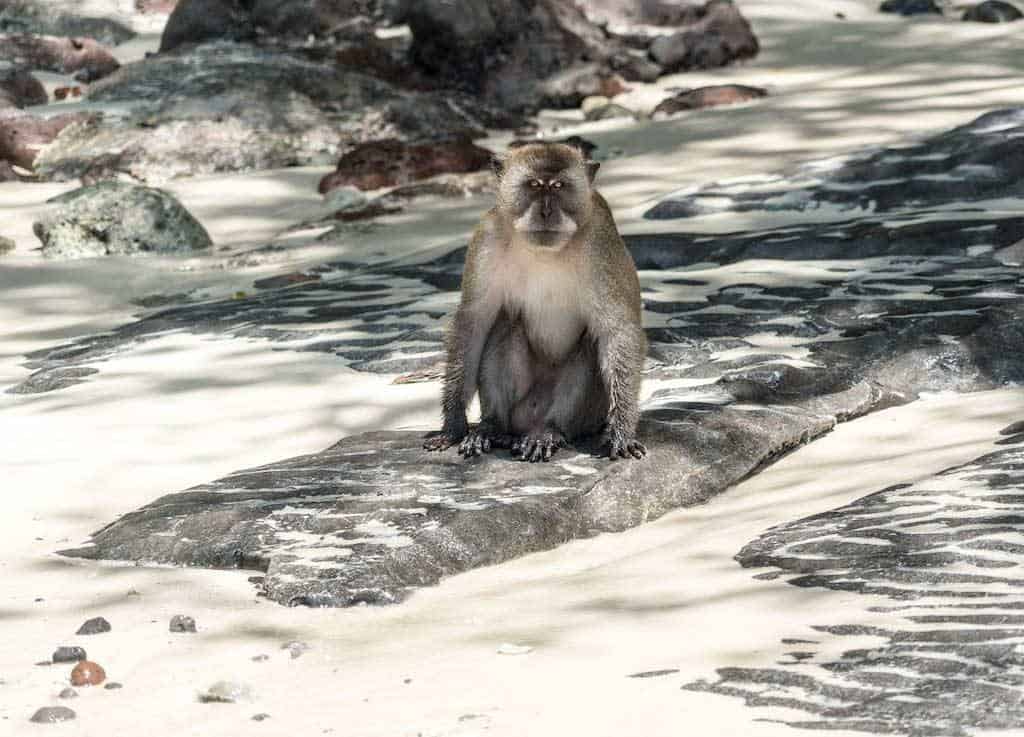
(544, 190)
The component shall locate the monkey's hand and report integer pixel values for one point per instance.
(622, 445)
(535, 448)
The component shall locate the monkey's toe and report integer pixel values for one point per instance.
(475, 444)
(534, 448)
(620, 447)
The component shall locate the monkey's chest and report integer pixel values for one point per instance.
(549, 308)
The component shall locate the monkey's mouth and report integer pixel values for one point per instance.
(548, 238)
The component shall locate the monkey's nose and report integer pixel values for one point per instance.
(546, 210)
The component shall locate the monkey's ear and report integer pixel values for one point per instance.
(592, 167)
(497, 166)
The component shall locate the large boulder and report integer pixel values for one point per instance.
(51, 19)
(515, 51)
(85, 58)
(116, 218)
(721, 36)
(233, 107)
(200, 21)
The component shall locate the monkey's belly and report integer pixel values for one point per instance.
(524, 390)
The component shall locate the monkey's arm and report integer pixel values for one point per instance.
(621, 352)
(464, 344)
(621, 342)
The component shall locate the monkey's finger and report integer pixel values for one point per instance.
(549, 449)
(537, 453)
(486, 445)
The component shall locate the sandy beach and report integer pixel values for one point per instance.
(183, 409)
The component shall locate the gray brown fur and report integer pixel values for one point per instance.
(548, 327)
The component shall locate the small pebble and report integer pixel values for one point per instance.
(113, 686)
(260, 658)
(226, 692)
(182, 623)
(68, 654)
(295, 647)
(45, 662)
(51, 714)
(94, 626)
(68, 693)
(510, 649)
(87, 673)
(260, 717)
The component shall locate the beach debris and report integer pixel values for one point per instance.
(94, 626)
(68, 693)
(226, 692)
(182, 623)
(87, 673)
(296, 648)
(68, 654)
(509, 648)
(910, 7)
(51, 714)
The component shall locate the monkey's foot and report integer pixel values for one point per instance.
(540, 447)
(440, 441)
(621, 445)
(481, 439)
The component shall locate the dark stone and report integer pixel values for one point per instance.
(260, 717)
(654, 673)
(720, 37)
(118, 218)
(85, 58)
(182, 623)
(389, 163)
(910, 7)
(23, 134)
(94, 626)
(68, 654)
(113, 686)
(993, 11)
(68, 693)
(52, 714)
(198, 21)
(975, 161)
(51, 379)
(945, 548)
(18, 88)
(725, 94)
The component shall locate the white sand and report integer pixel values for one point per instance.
(183, 410)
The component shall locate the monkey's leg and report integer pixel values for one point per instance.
(567, 401)
(505, 376)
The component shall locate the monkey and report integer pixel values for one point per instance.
(548, 327)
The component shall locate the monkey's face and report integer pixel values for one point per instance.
(545, 189)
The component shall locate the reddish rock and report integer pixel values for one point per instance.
(722, 94)
(390, 162)
(158, 7)
(22, 135)
(63, 93)
(87, 59)
(18, 88)
(87, 673)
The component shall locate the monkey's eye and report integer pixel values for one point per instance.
(535, 183)
(556, 184)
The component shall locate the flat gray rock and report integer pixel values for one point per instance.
(945, 659)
